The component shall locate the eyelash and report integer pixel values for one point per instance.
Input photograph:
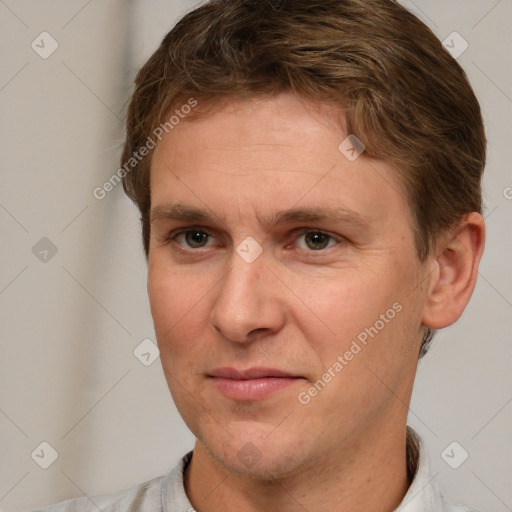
(300, 232)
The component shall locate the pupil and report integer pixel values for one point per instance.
(316, 238)
(195, 237)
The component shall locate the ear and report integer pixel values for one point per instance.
(453, 280)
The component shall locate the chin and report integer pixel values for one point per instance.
(269, 467)
(259, 456)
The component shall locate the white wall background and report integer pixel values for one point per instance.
(69, 325)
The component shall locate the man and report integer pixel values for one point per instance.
(308, 176)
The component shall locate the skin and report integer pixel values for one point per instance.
(294, 308)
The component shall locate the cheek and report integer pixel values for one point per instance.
(366, 317)
(179, 309)
(333, 312)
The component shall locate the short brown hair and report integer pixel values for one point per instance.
(401, 92)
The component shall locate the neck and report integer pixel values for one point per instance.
(368, 474)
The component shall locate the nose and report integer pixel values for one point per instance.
(248, 304)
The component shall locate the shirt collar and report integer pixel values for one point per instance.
(422, 495)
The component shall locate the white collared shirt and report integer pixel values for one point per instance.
(423, 494)
(167, 493)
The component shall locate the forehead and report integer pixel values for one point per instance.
(268, 153)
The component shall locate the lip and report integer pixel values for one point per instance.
(251, 384)
(256, 372)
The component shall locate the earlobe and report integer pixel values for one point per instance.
(456, 269)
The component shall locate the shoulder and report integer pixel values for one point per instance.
(162, 494)
(142, 497)
(451, 506)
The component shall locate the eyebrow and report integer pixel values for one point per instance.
(185, 213)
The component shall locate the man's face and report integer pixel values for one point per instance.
(335, 304)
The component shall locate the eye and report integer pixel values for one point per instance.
(316, 240)
(194, 238)
(309, 239)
